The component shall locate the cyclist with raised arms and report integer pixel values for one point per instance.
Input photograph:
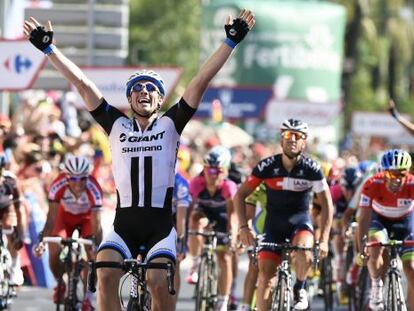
(212, 193)
(75, 201)
(144, 151)
(11, 216)
(387, 210)
(289, 179)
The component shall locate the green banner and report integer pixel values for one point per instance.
(296, 47)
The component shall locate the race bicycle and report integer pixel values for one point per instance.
(395, 300)
(139, 295)
(282, 293)
(206, 289)
(72, 256)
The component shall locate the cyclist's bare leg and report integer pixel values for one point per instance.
(303, 260)
(267, 272)
(224, 258)
(54, 262)
(375, 261)
(90, 255)
(158, 286)
(195, 242)
(250, 281)
(108, 281)
(409, 273)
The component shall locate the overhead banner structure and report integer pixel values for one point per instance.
(295, 50)
(20, 64)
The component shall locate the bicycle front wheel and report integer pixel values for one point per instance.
(202, 286)
(4, 287)
(327, 282)
(395, 295)
(280, 296)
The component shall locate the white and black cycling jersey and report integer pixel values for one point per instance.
(143, 160)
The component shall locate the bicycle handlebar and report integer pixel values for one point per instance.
(67, 241)
(390, 243)
(210, 234)
(130, 265)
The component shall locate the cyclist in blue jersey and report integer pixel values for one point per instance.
(144, 151)
(289, 179)
(181, 204)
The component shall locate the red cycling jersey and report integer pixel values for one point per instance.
(376, 196)
(90, 199)
(74, 211)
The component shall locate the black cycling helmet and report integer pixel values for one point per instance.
(351, 177)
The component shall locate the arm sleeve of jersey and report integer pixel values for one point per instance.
(106, 115)
(319, 182)
(54, 191)
(252, 198)
(353, 203)
(366, 195)
(230, 189)
(96, 193)
(180, 114)
(183, 195)
(253, 181)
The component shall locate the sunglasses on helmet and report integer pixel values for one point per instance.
(150, 87)
(290, 134)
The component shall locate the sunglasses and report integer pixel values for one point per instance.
(76, 179)
(395, 174)
(214, 170)
(290, 134)
(150, 87)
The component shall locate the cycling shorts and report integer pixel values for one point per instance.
(284, 227)
(219, 221)
(66, 223)
(145, 231)
(382, 228)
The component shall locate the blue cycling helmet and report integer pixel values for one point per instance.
(147, 75)
(218, 156)
(351, 177)
(396, 159)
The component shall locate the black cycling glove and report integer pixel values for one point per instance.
(41, 38)
(236, 32)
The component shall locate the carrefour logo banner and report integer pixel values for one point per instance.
(295, 47)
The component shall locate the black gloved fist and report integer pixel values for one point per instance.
(41, 38)
(237, 31)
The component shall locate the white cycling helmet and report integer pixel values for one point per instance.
(295, 125)
(148, 75)
(218, 156)
(77, 166)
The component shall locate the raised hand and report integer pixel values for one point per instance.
(38, 35)
(236, 29)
